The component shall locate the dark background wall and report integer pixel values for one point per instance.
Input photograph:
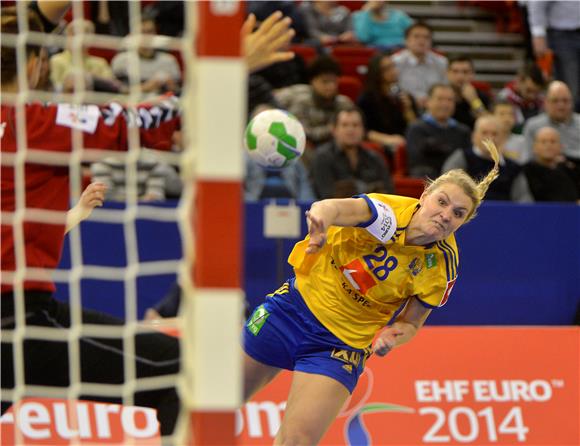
(519, 264)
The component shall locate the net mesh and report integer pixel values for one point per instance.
(81, 270)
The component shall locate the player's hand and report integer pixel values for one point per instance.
(316, 231)
(265, 45)
(386, 341)
(540, 45)
(92, 196)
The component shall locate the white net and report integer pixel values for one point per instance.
(108, 261)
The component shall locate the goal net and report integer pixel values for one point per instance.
(122, 260)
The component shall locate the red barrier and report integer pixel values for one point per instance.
(45, 421)
(450, 385)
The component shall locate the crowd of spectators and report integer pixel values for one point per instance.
(420, 112)
(410, 111)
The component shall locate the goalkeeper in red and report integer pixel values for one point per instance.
(44, 186)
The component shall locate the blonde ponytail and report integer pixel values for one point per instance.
(474, 190)
(484, 184)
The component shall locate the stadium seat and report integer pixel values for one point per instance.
(353, 59)
(105, 53)
(409, 187)
(353, 5)
(401, 161)
(484, 87)
(379, 150)
(308, 53)
(350, 86)
(405, 185)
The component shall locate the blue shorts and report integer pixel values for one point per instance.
(283, 333)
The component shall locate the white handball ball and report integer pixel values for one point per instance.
(274, 139)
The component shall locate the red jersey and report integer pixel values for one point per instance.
(49, 127)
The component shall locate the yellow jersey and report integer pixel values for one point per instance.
(364, 275)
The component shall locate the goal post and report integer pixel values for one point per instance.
(209, 215)
(213, 307)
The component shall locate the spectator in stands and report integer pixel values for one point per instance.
(556, 25)
(260, 95)
(328, 22)
(285, 74)
(512, 145)
(315, 104)
(420, 67)
(156, 180)
(548, 175)
(342, 167)
(509, 185)
(290, 182)
(169, 16)
(387, 109)
(63, 65)
(378, 25)
(263, 9)
(431, 139)
(159, 71)
(525, 93)
(560, 115)
(470, 103)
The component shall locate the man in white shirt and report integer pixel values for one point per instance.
(420, 67)
(556, 25)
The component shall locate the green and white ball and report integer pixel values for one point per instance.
(274, 139)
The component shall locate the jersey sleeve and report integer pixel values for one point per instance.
(383, 222)
(439, 276)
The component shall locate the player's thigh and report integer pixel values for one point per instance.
(256, 375)
(313, 404)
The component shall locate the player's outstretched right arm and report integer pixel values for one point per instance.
(333, 212)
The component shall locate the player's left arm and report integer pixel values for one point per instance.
(92, 196)
(403, 329)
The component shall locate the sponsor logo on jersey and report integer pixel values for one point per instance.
(386, 221)
(80, 117)
(357, 276)
(430, 260)
(357, 297)
(416, 266)
(258, 320)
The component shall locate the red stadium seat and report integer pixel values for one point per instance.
(105, 53)
(484, 87)
(409, 187)
(353, 5)
(401, 161)
(353, 59)
(379, 150)
(308, 53)
(349, 86)
(404, 185)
